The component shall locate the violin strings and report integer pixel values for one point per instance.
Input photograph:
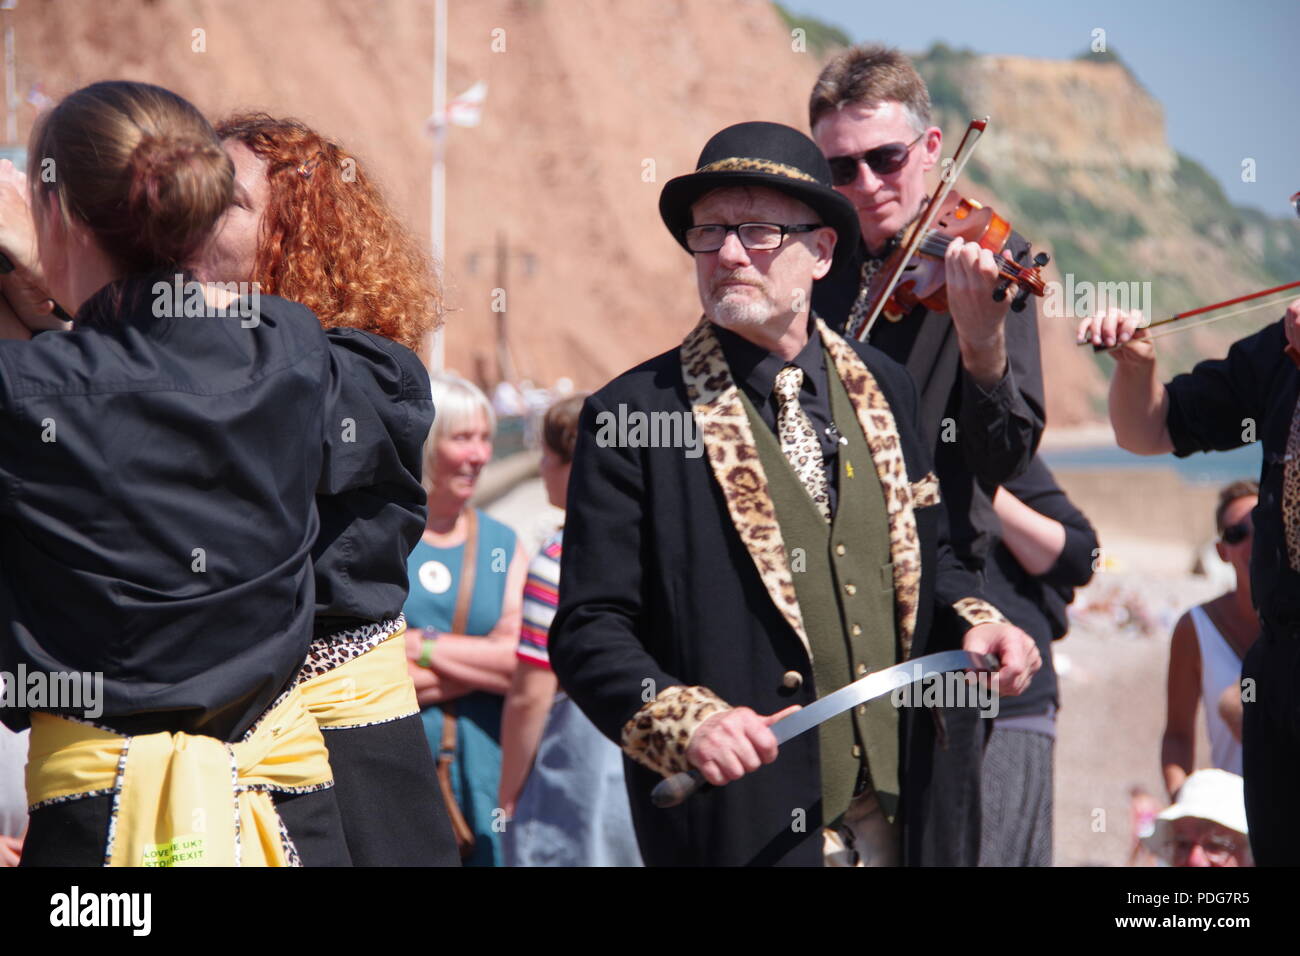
(936, 244)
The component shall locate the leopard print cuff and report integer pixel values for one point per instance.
(975, 611)
(925, 492)
(659, 733)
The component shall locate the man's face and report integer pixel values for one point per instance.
(742, 287)
(885, 203)
(1200, 842)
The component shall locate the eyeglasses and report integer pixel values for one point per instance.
(752, 235)
(882, 160)
(1217, 850)
(1237, 533)
(1295, 202)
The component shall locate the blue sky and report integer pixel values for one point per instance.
(1225, 74)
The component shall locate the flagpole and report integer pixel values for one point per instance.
(11, 77)
(438, 211)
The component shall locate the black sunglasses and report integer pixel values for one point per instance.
(1237, 533)
(882, 161)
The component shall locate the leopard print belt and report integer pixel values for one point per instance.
(334, 650)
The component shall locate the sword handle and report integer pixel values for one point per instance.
(674, 790)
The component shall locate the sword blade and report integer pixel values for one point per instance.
(877, 685)
(673, 790)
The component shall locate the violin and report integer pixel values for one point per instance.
(922, 280)
(914, 272)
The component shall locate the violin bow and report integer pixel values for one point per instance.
(1253, 297)
(959, 159)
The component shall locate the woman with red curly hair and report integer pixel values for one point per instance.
(309, 225)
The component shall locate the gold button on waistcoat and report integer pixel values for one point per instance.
(792, 680)
(857, 629)
(840, 550)
(850, 589)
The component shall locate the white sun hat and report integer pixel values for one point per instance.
(1214, 795)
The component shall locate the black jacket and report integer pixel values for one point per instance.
(658, 588)
(158, 482)
(367, 532)
(978, 439)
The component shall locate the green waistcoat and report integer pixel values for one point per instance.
(844, 580)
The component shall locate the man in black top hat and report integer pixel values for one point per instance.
(774, 534)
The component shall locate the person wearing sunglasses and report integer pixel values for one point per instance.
(978, 372)
(1209, 643)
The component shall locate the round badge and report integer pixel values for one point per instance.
(435, 577)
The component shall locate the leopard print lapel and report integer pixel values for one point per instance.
(881, 432)
(733, 456)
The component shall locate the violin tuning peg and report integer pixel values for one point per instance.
(1041, 259)
(1000, 292)
(1018, 303)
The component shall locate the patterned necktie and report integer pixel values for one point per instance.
(1291, 492)
(798, 440)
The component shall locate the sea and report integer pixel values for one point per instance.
(1215, 468)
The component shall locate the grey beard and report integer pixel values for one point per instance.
(730, 312)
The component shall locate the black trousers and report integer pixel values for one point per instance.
(387, 787)
(75, 833)
(941, 799)
(1270, 754)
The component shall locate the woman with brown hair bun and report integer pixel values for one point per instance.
(159, 472)
(308, 224)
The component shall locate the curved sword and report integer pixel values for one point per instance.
(675, 789)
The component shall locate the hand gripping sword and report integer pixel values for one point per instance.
(675, 789)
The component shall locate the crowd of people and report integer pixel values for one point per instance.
(258, 527)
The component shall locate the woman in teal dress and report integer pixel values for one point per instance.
(465, 667)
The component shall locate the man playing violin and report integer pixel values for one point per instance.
(982, 412)
(1253, 394)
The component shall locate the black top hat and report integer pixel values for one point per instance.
(763, 154)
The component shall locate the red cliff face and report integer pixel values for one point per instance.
(592, 105)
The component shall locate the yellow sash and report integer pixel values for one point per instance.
(182, 799)
(370, 689)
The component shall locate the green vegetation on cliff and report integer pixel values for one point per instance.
(822, 37)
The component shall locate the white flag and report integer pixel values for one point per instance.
(466, 109)
(463, 110)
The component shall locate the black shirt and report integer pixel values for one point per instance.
(1037, 603)
(755, 370)
(1225, 403)
(980, 438)
(158, 482)
(366, 534)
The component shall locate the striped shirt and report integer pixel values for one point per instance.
(541, 596)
